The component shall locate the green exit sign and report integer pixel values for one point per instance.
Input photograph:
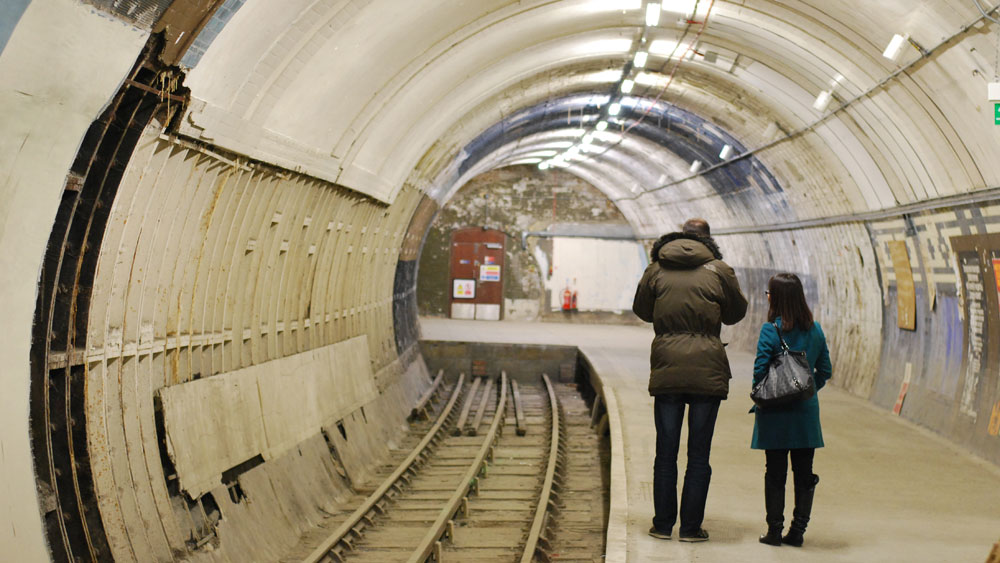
(996, 114)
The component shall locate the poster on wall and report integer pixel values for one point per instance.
(489, 273)
(906, 299)
(975, 315)
(463, 289)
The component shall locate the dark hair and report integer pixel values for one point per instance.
(788, 301)
(696, 227)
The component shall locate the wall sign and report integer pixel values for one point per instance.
(906, 299)
(489, 273)
(463, 289)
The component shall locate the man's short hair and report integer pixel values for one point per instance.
(697, 227)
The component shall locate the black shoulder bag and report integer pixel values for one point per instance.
(788, 379)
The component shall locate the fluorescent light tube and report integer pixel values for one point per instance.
(652, 13)
(895, 46)
(822, 101)
(727, 151)
(601, 125)
(614, 109)
(640, 59)
(627, 85)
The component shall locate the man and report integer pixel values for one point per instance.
(687, 292)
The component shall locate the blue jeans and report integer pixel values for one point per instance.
(668, 412)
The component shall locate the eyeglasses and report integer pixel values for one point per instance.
(767, 293)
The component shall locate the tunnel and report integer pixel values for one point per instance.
(224, 227)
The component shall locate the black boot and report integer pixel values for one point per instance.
(803, 508)
(774, 504)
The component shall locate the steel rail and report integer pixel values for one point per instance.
(430, 544)
(542, 510)
(325, 549)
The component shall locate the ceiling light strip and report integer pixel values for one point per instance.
(806, 128)
(639, 60)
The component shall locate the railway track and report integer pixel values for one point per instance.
(481, 485)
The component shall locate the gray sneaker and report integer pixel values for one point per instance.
(658, 534)
(700, 535)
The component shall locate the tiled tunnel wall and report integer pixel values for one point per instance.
(951, 356)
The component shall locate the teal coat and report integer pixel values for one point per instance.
(797, 425)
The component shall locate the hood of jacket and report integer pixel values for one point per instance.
(684, 251)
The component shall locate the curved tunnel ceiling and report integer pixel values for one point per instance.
(401, 103)
(647, 147)
(373, 98)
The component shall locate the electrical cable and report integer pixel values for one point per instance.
(985, 13)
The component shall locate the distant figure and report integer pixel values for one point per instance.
(687, 292)
(789, 429)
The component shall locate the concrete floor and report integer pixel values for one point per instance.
(890, 491)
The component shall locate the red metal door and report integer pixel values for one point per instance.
(477, 258)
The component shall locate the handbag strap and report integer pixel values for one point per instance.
(783, 345)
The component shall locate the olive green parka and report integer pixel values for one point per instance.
(688, 292)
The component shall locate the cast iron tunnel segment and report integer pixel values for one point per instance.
(507, 515)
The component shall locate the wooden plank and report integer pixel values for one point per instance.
(481, 410)
(469, 399)
(420, 409)
(522, 427)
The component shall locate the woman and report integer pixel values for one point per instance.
(789, 430)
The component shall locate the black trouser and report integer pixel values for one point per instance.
(668, 414)
(802, 466)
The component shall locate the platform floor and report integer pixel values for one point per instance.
(890, 490)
